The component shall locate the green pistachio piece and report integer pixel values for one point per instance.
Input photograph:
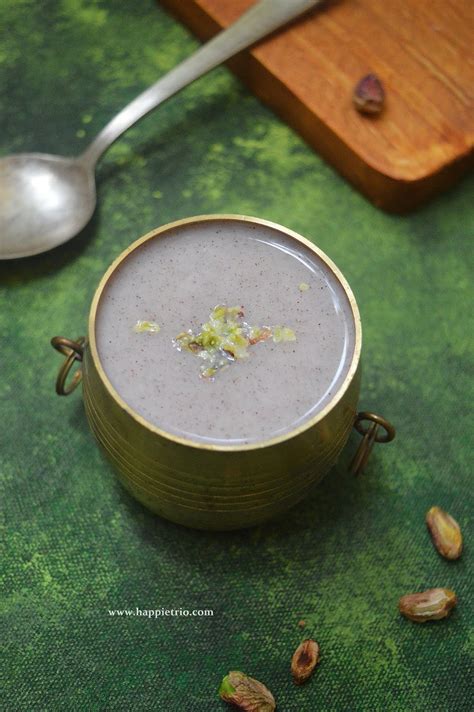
(283, 333)
(144, 326)
(245, 693)
(225, 337)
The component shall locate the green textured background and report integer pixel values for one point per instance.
(78, 545)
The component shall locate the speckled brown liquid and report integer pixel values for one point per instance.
(176, 280)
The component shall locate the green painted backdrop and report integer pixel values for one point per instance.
(77, 545)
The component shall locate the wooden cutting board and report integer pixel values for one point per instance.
(421, 50)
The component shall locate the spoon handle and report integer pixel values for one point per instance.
(260, 20)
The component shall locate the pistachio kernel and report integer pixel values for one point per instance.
(304, 661)
(430, 605)
(245, 693)
(369, 95)
(445, 532)
(146, 326)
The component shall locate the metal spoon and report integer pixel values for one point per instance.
(45, 200)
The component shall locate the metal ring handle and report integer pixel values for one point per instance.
(374, 418)
(74, 351)
(65, 346)
(371, 435)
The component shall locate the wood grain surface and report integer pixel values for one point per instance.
(421, 50)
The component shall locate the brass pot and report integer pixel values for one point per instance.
(213, 486)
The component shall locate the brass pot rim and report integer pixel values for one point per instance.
(211, 446)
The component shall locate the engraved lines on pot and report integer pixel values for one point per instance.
(148, 484)
(130, 453)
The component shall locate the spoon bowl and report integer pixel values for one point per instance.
(45, 200)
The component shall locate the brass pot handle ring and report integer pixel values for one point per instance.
(379, 431)
(73, 351)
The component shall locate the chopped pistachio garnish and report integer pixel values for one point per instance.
(282, 333)
(150, 326)
(259, 334)
(303, 287)
(226, 338)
